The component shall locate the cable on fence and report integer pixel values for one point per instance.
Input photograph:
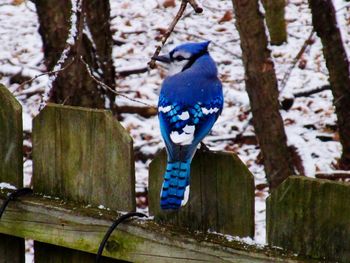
(111, 229)
(13, 196)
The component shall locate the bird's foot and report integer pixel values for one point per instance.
(204, 147)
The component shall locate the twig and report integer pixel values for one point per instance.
(286, 76)
(344, 6)
(310, 92)
(45, 73)
(152, 63)
(142, 111)
(334, 175)
(195, 6)
(128, 72)
(108, 87)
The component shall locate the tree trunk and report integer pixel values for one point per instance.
(261, 85)
(92, 41)
(274, 15)
(325, 25)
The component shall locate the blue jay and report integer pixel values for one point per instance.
(190, 102)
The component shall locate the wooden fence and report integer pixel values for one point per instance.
(83, 160)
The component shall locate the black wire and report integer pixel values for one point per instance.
(13, 196)
(110, 230)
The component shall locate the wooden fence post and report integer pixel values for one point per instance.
(221, 195)
(310, 217)
(11, 165)
(82, 155)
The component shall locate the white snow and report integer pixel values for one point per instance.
(4, 185)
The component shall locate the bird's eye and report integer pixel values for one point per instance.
(179, 58)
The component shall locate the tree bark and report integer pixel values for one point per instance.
(261, 85)
(325, 25)
(274, 15)
(93, 43)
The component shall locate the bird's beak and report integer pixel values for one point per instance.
(163, 58)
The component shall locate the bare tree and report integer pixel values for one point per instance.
(74, 32)
(274, 15)
(325, 25)
(261, 85)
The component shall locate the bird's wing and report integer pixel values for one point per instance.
(183, 124)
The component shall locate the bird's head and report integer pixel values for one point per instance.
(183, 56)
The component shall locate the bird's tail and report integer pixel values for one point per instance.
(175, 190)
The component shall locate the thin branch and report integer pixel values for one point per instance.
(128, 72)
(286, 76)
(334, 175)
(195, 6)
(105, 86)
(45, 73)
(152, 63)
(310, 92)
(142, 111)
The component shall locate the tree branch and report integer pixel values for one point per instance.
(128, 72)
(46, 73)
(152, 63)
(335, 175)
(142, 111)
(105, 86)
(197, 9)
(310, 92)
(295, 61)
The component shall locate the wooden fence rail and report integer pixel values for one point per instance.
(83, 159)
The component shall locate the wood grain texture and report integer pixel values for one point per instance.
(83, 155)
(310, 217)
(11, 139)
(11, 165)
(221, 195)
(71, 225)
(262, 88)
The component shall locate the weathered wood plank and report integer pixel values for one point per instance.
(72, 226)
(83, 155)
(221, 194)
(310, 217)
(11, 164)
(11, 139)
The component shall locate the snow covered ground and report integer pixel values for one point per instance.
(139, 25)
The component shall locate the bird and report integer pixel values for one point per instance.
(190, 102)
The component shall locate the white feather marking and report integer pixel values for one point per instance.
(186, 196)
(184, 138)
(184, 54)
(209, 111)
(184, 116)
(164, 109)
(189, 129)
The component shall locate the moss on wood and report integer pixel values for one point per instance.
(221, 194)
(83, 155)
(77, 227)
(310, 217)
